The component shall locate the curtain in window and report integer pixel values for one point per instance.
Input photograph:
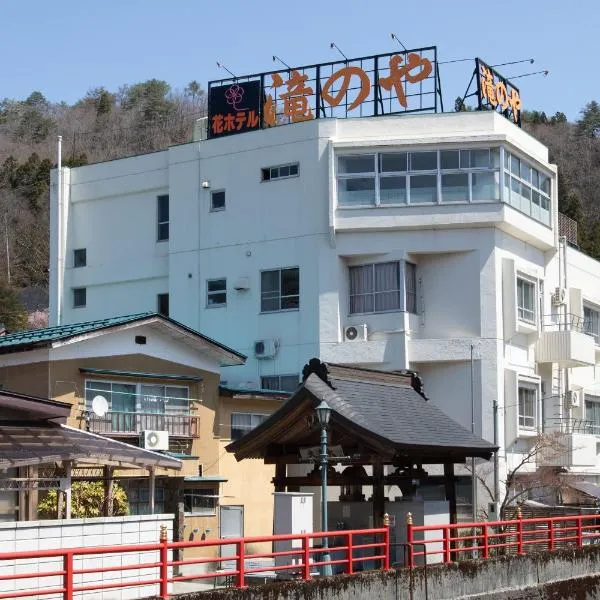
(387, 287)
(410, 284)
(361, 289)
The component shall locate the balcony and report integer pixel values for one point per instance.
(576, 449)
(564, 341)
(115, 423)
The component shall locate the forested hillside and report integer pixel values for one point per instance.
(149, 116)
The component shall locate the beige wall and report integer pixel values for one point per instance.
(29, 379)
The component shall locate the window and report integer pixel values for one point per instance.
(163, 217)
(526, 300)
(526, 188)
(79, 297)
(280, 383)
(162, 304)
(592, 413)
(200, 501)
(424, 177)
(138, 497)
(591, 323)
(242, 423)
(527, 406)
(280, 290)
(216, 292)
(217, 200)
(79, 258)
(410, 283)
(280, 172)
(375, 288)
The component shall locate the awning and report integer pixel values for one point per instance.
(22, 446)
(586, 487)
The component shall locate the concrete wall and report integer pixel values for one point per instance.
(565, 574)
(83, 533)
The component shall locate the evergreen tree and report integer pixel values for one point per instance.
(589, 124)
(12, 312)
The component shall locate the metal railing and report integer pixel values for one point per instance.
(466, 541)
(347, 549)
(133, 423)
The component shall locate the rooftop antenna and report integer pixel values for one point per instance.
(222, 66)
(282, 62)
(545, 73)
(334, 45)
(515, 62)
(395, 37)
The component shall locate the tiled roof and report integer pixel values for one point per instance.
(33, 337)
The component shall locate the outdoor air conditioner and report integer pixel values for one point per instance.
(265, 348)
(355, 333)
(558, 297)
(154, 440)
(575, 398)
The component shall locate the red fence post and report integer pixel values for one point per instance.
(305, 558)
(446, 545)
(409, 539)
(386, 542)
(519, 531)
(486, 541)
(241, 551)
(579, 533)
(350, 565)
(550, 526)
(68, 576)
(164, 563)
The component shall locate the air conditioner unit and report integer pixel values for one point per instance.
(264, 349)
(355, 333)
(154, 440)
(558, 297)
(575, 398)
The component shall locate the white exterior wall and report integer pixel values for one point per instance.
(467, 255)
(28, 536)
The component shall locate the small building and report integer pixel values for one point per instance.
(159, 383)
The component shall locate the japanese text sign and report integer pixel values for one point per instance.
(393, 83)
(497, 93)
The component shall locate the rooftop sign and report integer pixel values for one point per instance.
(385, 84)
(494, 92)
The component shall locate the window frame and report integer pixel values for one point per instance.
(594, 426)
(274, 172)
(210, 293)
(280, 387)
(75, 293)
(213, 494)
(213, 193)
(280, 297)
(79, 263)
(263, 417)
(160, 237)
(521, 309)
(413, 295)
(590, 330)
(522, 417)
(374, 292)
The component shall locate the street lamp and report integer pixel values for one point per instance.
(323, 414)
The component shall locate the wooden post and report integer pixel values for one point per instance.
(280, 475)
(378, 495)
(450, 488)
(151, 487)
(68, 472)
(108, 492)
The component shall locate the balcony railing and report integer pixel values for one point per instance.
(133, 423)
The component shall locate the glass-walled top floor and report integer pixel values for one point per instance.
(426, 177)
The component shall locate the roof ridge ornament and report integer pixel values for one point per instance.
(319, 368)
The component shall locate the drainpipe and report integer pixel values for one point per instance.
(563, 243)
(473, 473)
(59, 236)
(496, 470)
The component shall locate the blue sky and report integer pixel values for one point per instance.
(65, 47)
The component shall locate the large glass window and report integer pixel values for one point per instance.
(280, 289)
(375, 287)
(592, 413)
(423, 177)
(280, 383)
(527, 406)
(526, 188)
(242, 423)
(200, 501)
(526, 300)
(591, 322)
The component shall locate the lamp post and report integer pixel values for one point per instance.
(323, 414)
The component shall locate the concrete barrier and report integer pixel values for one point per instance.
(566, 574)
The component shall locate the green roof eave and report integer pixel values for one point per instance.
(206, 478)
(139, 374)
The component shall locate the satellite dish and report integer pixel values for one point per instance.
(99, 406)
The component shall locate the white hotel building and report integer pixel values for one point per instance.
(434, 236)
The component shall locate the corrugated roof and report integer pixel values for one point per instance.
(591, 489)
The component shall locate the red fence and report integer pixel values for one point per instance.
(450, 543)
(350, 551)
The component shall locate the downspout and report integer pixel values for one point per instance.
(59, 235)
(496, 470)
(473, 473)
(563, 243)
